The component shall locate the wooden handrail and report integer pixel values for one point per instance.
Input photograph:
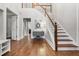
(48, 15)
(37, 4)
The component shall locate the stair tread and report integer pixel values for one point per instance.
(62, 36)
(64, 40)
(67, 45)
(60, 32)
(59, 29)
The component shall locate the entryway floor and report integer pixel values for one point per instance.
(35, 47)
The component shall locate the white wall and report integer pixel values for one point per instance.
(3, 36)
(1, 25)
(77, 24)
(1, 6)
(27, 5)
(34, 15)
(66, 15)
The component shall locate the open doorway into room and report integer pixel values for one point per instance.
(11, 25)
(26, 27)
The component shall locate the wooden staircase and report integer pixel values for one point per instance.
(64, 41)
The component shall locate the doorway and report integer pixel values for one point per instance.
(11, 25)
(26, 29)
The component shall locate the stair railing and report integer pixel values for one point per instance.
(54, 24)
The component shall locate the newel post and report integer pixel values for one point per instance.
(55, 37)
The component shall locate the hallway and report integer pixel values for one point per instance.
(35, 47)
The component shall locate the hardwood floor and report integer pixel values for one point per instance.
(35, 47)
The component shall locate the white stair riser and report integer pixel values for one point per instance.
(59, 28)
(67, 48)
(62, 34)
(61, 31)
(58, 25)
